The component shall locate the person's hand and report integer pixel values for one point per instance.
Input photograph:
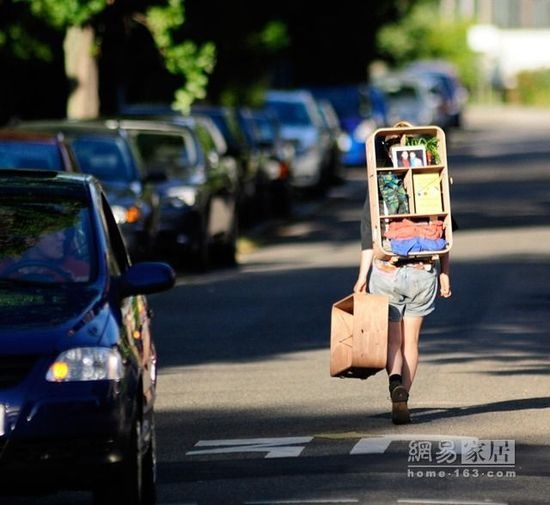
(444, 285)
(360, 286)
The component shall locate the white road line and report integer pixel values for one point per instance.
(379, 444)
(298, 502)
(280, 447)
(448, 502)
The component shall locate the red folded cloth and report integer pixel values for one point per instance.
(407, 229)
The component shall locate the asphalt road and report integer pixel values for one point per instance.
(247, 412)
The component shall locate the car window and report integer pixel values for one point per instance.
(265, 129)
(104, 157)
(403, 93)
(290, 113)
(15, 154)
(170, 154)
(46, 240)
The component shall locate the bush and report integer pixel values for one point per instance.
(533, 87)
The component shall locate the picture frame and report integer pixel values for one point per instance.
(408, 156)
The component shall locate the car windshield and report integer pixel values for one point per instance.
(25, 154)
(265, 129)
(346, 103)
(403, 93)
(104, 157)
(172, 155)
(290, 113)
(44, 240)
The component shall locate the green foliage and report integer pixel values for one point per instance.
(430, 143)
(424, 34)
(184, 59)
(272, 38)
(24, 45)
(534, 87)
(65, 13)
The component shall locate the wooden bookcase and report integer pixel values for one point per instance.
(424, 191)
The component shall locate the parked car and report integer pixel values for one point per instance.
(78, 383)
(361, 109)
(274, 191)
(332, 127)
(107, 154)
(455, 94)
(302, 124)
(197, 192)
(417, 99)
(22, 149)
(249, 160)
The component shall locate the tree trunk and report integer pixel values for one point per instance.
(82, 72)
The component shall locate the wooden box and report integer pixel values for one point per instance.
(415, 159)
(359, 335)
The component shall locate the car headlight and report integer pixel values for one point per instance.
(344, 142)
(86, 364)
(126, 215)
(183, 194)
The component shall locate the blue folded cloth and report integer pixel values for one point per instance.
(403, 247)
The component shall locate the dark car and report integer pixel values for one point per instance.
(50, 151)
(227, 141)
(78, 361)
(106, 153)
(249, 159)
(198, 193)
(274, 191)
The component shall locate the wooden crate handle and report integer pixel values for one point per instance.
(402, 124)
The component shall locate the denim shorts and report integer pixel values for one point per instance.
(412, 291)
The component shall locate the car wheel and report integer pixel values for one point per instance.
(200, 248)
(229, 247)
(135, 484)
(201, 255)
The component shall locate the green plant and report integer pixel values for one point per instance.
(430, 143)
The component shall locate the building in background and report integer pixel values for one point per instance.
(510, 35)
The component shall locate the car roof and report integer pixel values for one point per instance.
(289, 94)
(69, 127)
(33, 180)
(22, 135)
(165, 124)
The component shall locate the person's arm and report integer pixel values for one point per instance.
(444, 276)
(361, 284)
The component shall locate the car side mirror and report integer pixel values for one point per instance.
(147, 277)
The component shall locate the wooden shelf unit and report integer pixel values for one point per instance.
(429, 201)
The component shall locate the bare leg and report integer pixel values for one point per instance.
(394, 363)
(395, 366)
(411, 335)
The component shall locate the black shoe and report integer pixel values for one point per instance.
(400, 411)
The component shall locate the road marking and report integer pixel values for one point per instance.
(282, 447)
(379, 445)
(448, 502)
(277, 502)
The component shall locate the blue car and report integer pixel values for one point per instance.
(361, 109)
(78, 361)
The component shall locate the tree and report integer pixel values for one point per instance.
(86, 25)
(424, 34)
